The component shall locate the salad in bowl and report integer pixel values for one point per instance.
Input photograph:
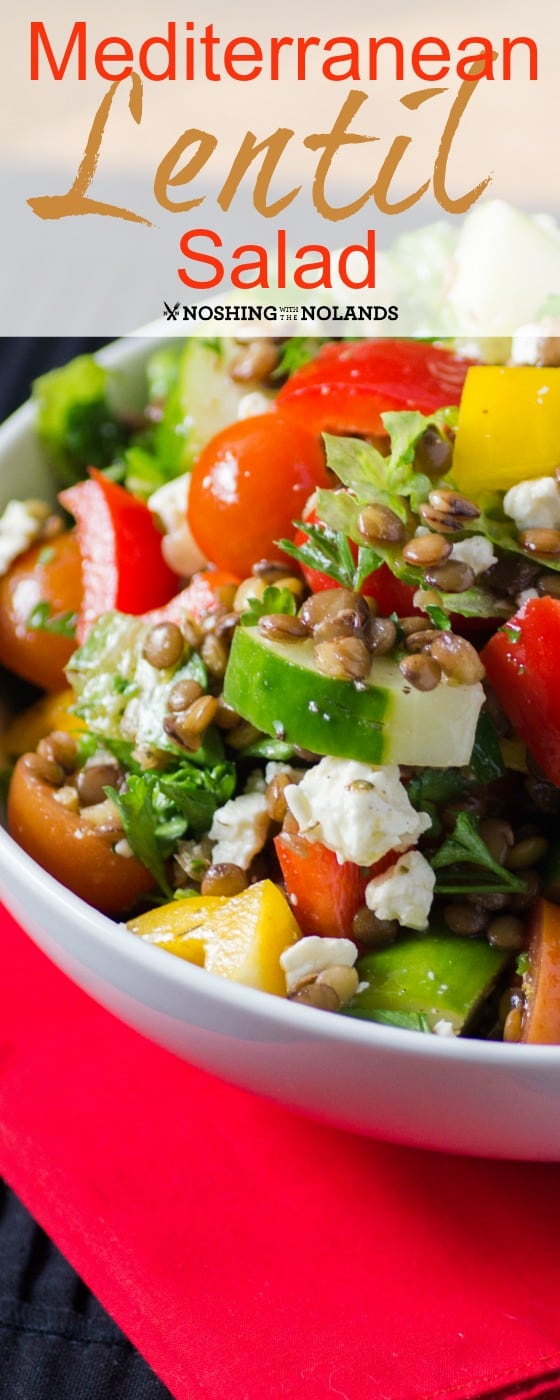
(291, 624)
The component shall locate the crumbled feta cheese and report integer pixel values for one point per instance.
(179, 548)
(476, 551)
(444, 1028)
(358, 811)
(21, 524)
(534, 505)
(240, 829)
(273, 769)
(310, 956)
(537, 344)
(404, 892)
(526, 596)
(254, 403)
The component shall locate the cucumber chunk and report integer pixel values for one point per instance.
(434, 975)
(208, 398)
(277, 687)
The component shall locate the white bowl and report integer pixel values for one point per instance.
(465, 1096)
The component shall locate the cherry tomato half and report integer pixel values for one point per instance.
(346, 388)
(81, 859)
(250, 483)
(49, 573)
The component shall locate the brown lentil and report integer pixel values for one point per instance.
(188, 726)
(275, 798)
(214, 653)
(47, 766)
(225, 625)
(243, 735)
(454, 576)
(345, 658)
(255, 362)
(225, 879)
(427, 549)
(421, 671)
(64, 749)
(457, 658)
(523, 901)
(433, 453)
(413, 624)
(442, 524)
(454, 502)
(498, 838)
(317, 994)
(417, 641)
(506, 932)
(226, 717)
(330, 603)
(347, 624)
(466, 920)
(540, 541)
(381, 635)
(548, 585)
(281, 627)
(513, 1028)
(164, 645)
(379, 524)
(493, 902)
(371, 931)
(183, 695)
(344, 981)
(92, 780)
(268, 569)
(528, 852)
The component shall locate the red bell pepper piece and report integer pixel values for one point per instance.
(346, 388)
(122, 563)
(521, 662)
(324, 894)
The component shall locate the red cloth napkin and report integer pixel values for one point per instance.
(251, 1254)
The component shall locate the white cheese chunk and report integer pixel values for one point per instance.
(360, 812)
(21, 524)
(310, 956)
(476, 551)
(404, 892)
(178, 546)
(537, 344)
(444, 1028)
(254, 403)
(534, 505)
(240, 829)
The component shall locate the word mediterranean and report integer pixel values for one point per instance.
(194, 53)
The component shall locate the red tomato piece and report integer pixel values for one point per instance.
(521, 662)
(50, 572)
(81, 858)
(122, 563)
(324, 894)
(250, 483)
(347, 387)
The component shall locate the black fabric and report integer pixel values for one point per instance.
(56, 1341)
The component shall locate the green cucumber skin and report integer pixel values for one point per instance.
(463, 973)
(277, 687)
(333, 726)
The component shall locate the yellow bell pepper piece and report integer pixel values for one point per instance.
(508, 429)
(48, 714)
(240, 938)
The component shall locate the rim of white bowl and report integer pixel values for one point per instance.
(257, 1004)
